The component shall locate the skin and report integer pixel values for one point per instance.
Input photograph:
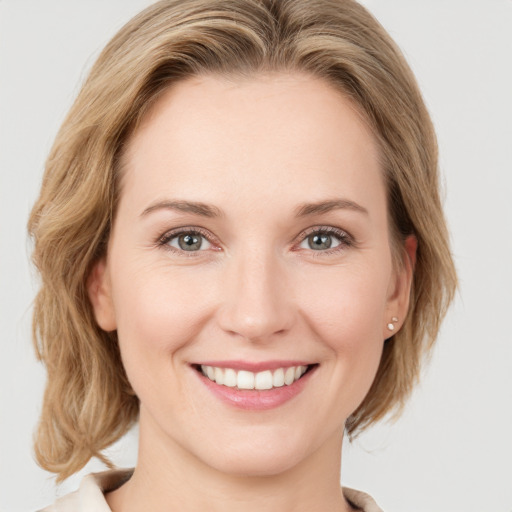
(255, 150)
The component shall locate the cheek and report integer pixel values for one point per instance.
(158, 312)
(346, 311)
(347, 304)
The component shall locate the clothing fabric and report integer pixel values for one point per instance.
(90, 497)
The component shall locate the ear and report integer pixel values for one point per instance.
(100, 294)
(400, 288)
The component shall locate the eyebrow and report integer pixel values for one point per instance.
(206, 210)
(327, 206)
(197, 208)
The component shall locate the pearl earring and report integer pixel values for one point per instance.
(391, 326)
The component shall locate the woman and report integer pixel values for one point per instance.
(242, 247)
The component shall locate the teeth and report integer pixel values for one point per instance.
(230, 378)
(243, 379)
(210, 372)
(278, 378)
(289, 375)
(219, 376)
(263, 380)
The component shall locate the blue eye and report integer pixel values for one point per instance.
(188, 241)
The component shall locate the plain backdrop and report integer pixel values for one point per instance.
(452, 449)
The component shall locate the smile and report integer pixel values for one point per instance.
(268, 386)
(243, 379)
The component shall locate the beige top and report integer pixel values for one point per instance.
(90, 497)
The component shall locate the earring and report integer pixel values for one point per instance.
(391, 326)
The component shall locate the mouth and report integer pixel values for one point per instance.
(243, 379)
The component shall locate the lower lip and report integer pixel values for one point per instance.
(256, 400)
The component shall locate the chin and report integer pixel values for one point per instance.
(258, 465)
(258, 456)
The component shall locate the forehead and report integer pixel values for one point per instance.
(288, 130)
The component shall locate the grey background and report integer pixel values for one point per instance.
(451, 450)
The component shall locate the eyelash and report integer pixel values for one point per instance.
(345, 239)
(163, 241)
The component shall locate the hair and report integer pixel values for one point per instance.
(88, 401)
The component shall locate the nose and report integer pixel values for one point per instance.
(257, 304)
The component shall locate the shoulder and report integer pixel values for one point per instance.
(91, 493)
(360, 500)
(64, 504)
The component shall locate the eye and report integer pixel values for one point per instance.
(325, 239)
(319, 242)
(189, 241)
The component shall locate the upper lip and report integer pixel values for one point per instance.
(254, 366)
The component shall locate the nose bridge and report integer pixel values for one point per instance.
(256, 303)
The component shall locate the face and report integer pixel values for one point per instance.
(250, 248)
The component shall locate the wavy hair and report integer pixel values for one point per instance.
(88, 401)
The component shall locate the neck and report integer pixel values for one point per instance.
(169, 477)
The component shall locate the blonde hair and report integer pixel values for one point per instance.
(88, 402)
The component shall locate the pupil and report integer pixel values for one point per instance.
(318, 242)
(189, 242)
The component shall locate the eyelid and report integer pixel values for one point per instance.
(345, 238)
(163, 240)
